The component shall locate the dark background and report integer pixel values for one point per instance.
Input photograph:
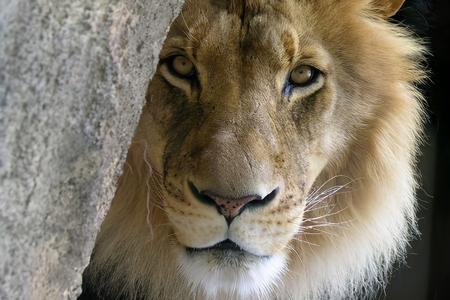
(426, 274)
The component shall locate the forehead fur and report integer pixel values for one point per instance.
(240, 7)
(198, 15)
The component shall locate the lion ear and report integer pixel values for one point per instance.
(388, 8)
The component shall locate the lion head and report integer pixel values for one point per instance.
(274, 156)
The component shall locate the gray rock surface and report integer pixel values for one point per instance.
(73, 76)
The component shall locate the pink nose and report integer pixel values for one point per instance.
(229, 207)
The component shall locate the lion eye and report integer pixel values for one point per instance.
(181, 66)
(303, 75)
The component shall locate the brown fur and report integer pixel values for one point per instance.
(235, 129)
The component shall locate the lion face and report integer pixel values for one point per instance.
(242, 110)
(256, 105)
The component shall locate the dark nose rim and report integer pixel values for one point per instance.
(199, 195)
(202, 197)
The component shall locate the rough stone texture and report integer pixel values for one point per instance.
(73, 75)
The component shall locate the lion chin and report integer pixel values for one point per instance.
(239, 273)
(274, 158)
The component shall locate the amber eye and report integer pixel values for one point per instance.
(181, 66)
(303, 75)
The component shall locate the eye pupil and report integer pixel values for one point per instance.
(182, 66)
(302, 75)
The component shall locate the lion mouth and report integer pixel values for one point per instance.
(225, 249)
(226, 245)
(226, 254)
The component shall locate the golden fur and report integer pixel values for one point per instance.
(342, 153)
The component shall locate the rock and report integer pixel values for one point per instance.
(73, 77)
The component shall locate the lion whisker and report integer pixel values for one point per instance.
(290, 248)
(319, 189)
(147, 182)
(318, 198)
(327, 224)
(329, 180)
(306, 242)
(326, 215)
(319, 232)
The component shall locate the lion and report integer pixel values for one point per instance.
(274, 158)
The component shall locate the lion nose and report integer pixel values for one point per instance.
(231, 207)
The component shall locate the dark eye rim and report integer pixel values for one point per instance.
(315, 75)
(168, 62)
